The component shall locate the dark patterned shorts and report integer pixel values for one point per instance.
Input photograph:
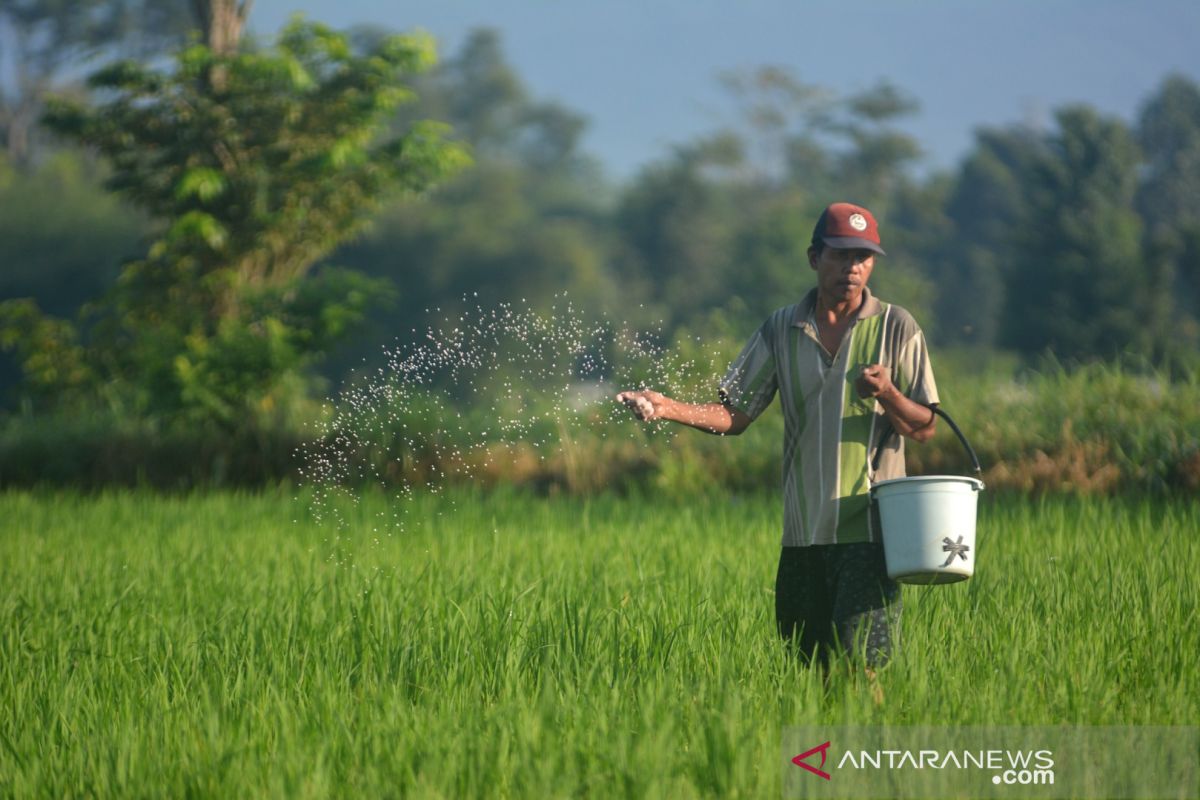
(838, 598)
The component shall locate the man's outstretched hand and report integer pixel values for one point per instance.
(649, 405)
(646, 404)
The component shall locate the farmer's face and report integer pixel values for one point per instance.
(841, 273)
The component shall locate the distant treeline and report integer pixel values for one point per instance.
(182, 285)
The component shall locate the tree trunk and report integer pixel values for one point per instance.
(17, 136)
(222, 22)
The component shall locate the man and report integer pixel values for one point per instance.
(850, 370)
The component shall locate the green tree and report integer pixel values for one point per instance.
(254, 177)
(876, 164)
(1168, 198)
(781, 120)
(679, 223)
(62, 239)
(726, 221)
(1080, 285)
(528, 221)
(52, 39)
(989, 211)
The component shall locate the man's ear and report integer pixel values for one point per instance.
(812, 257)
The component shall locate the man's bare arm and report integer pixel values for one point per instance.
(715, 418)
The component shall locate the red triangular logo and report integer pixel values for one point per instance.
(799, 760)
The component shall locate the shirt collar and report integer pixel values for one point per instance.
(869, 307)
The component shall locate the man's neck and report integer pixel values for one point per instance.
(834, 319)
(837, 311)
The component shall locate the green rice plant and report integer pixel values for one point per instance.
(508, 645)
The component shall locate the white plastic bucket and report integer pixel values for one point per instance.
(928, 527)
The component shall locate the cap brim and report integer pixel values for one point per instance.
(852, 243)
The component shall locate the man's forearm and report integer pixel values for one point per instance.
(709, 417)
(908, 417)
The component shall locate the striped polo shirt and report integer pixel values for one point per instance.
(830, 433)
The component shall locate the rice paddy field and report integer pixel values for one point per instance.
(513, 645)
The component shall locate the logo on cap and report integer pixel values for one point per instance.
(858, 222)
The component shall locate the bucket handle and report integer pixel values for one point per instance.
(889, 431)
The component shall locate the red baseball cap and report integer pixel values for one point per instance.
(847, 226)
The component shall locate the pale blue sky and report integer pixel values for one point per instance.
(644, 72)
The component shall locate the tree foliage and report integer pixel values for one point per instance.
(726, 220)
(50, 39)
(1168, 199)
(252, 182)
(528, 221)
(1079, 285)
(1081, 240)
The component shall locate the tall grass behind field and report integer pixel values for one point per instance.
(1093, 429)
(507, 645)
